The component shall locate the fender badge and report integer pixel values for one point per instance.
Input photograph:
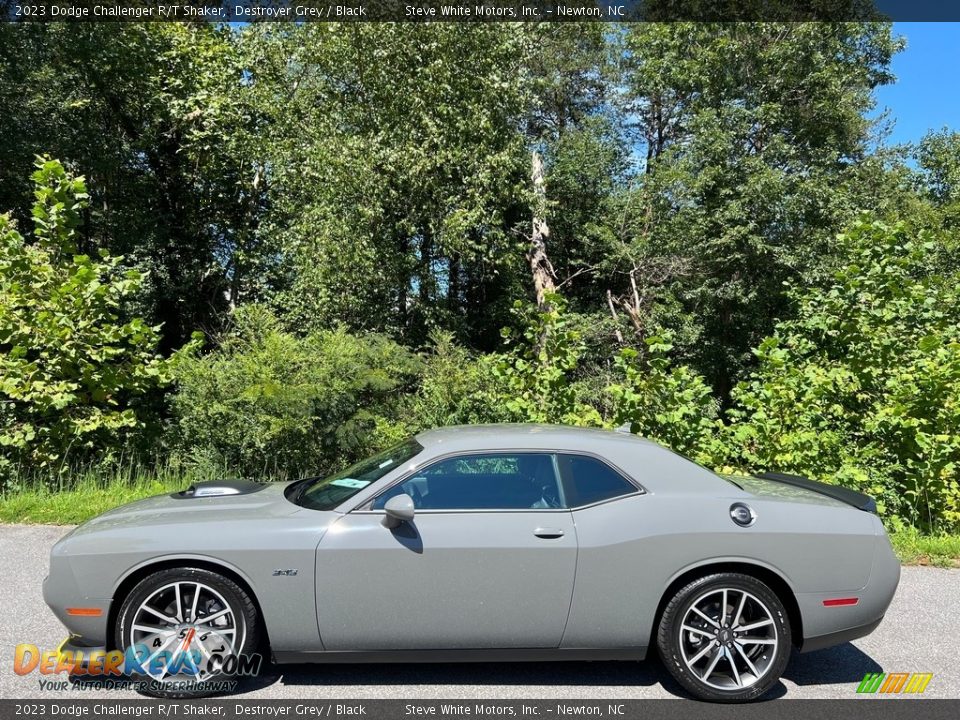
(287, 572)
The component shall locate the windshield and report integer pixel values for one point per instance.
(326, 493)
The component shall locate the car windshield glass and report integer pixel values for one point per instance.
(326, 493)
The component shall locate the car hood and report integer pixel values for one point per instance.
(179, 509)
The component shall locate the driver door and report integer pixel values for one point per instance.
(488, 561)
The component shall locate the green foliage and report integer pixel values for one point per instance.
(72, 368)
(407, 164)
(369, 183)
(939, 158)
(863, 387)
(266, 402)
(455, 388)
(670, 404)
(539, 379)
(752, 133)
(156, 116)
(536, 374)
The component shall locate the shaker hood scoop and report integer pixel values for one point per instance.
(219, 488)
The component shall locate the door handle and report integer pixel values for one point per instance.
(548, 533)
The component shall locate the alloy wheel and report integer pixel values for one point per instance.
(184, 628)
(728, 639)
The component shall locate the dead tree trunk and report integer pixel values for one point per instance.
(540, 266)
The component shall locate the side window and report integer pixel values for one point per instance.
(588, 480)
(507, 481)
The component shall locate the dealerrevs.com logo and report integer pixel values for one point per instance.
(894, 683)
(139, 666)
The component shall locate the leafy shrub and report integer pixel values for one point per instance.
(670, 404)
(535, 377)
(863, 387)
(269, 402)
(538, 380)
(455, 388)
(72, 370)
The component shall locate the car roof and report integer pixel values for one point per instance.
(650, 464)
(523, 435)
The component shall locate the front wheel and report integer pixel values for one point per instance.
(725, 638)
(188, 629)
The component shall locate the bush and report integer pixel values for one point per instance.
(534, 380)
(72, 370)
(540, 379)
(267, 402)
(863, 388)
(672, 405)
(455, 388)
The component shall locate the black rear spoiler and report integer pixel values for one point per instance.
(850, 497)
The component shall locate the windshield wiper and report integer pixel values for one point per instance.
(301, 491)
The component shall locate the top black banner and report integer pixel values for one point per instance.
(245, 11)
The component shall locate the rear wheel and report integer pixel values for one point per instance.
(187, 629)
(725, 637)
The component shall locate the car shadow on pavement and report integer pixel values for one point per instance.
(842, 664)
(608, 674)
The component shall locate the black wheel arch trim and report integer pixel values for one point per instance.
(773, 579)
(139, 572)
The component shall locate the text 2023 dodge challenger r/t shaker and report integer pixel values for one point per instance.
(497, 542)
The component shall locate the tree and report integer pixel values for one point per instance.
(73, 370)
(274, 404)
(939, 158)
(577, 155)
(750, 134)
(402, 164)
(863, 387)
(154, 115)
(662, 401)
(536, 375)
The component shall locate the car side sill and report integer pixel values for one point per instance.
(838, 638)
(468, 655)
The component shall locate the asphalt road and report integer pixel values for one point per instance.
(921, 633)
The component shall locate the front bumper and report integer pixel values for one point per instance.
(60, 593)
(81, 658)
(78, 648)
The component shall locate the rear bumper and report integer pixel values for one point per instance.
(820, 642)
(826, 624)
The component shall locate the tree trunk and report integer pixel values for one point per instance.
(453, 283)
(540, 265)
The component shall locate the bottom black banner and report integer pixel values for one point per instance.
(869, 709)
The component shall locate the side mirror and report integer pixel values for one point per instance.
(398, 510)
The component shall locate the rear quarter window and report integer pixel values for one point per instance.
(588, 480)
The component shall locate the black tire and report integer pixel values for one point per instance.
(242, 610)
(678, 646)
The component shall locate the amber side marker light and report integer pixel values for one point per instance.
(85, 612)
(839, 602)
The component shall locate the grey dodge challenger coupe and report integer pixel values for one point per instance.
(497, 542)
